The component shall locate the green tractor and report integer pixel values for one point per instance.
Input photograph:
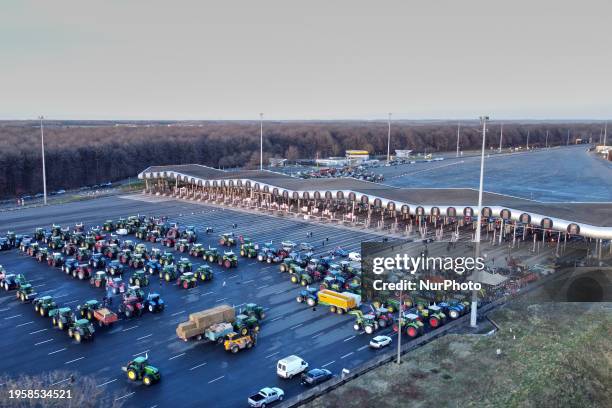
(248, 250)
(139, 369)
(182, 245)
(295, 274)
(56, 243)
(229, 260)
(39, 234)
(63, 317)
(187, 280)
(42, 254)
(366, 322)
(141, 233)
(25, 293)
(139, 278)
(196, 250)
(86, 310)
(184, 265)
(211, 254)
(245, 324)
(253, 310)
(81, 330)
(167, 258)
(141, 249)
(168, 273)
(44, 304)
(108, 226)
(227, 239)
(204, 273)
(433, 314)
(411, 324)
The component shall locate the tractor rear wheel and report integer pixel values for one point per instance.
(235, 349)
(332, 309)
(294, 279)
(151, 308)
(77, 337)
(311, 302)
(185, 285)
(70, 333)
(356, 326)
(303, 282)
(300, 299)
(42, 312)
(434, 322)
(228, 264)
(128, 313)
(382, 323)
(60, 324)
(453, 314)
(54, 321)
(412, 332)
(369, 329)
(90, 315)
(137, 282)
(249, 344)
(36, 308)
(340, 311)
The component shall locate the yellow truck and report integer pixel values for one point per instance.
(338, 302)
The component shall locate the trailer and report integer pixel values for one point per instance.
(338, 302)
(105, 317)
(210, 324)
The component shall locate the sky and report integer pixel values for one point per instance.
(339, 59)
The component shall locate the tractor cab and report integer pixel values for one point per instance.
(204, 272)
(187, 280)
(81, 330)
(134, 292)
(25, 292)
(154, 303)
(252, 309)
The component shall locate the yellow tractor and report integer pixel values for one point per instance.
(235, 342)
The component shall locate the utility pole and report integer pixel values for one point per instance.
(458, 134)
(546, 137)
(568, 133)
(474, 311)
(399, 329)
(605, 133)
(389, 139)
(44, 172)
(261, 141)
(501, 137)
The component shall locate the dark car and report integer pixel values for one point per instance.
(316, 376)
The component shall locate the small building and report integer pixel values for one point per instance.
(333, 162)
(403, 154)
(277, 162)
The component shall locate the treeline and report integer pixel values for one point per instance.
(87, 155)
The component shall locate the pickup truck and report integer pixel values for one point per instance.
(265, 397)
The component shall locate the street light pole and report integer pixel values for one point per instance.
(399, 329)
(44, 172)
(501, 137)
(567, 143)
(474, 310)
(528, 132)
(605, 133)
(547, 138)
(389, 139)
(261, 141)
(458, 134)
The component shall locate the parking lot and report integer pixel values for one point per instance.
(189, 370)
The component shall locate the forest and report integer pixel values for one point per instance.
(83, 153)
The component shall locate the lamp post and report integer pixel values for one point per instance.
(44, 172)
(261, 141)
(474, 311)
(547, 138)
(458, 134)
(399, 329)
(501, 137)
(389, 139)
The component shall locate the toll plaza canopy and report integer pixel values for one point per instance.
(592, 220)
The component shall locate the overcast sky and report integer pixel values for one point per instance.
(305, 59)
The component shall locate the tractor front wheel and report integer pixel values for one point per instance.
(185, 285)
(235, 349)
(332, 309)
(369, 329)
(147, 380)
(77, 337)
(356, 326)
(300, 299)
(132, 375)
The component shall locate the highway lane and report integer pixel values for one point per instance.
(187, 367)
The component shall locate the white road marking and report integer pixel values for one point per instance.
(144, 337)
(72, 361)
(198, 366)
(59, 382)
(346, 355)
(317, 335)
(177, 356)
(129, 328)
(232, 277)
(11, 317)
(38, 286)
(296, 326)
(38, 331)
(363, 347)
(25, 324)
(249, 281)
(42, 342)
(207, 293)
(60, 296)
(349, 338)
(71, 302)
(57, 351)
(125, 396)
(263, 286)
(328, 364)
(178, 313)
(276, 318)
(108, 382)
(273, 354)
(5, 309)
(216, 379)
(220, 300)
(141, 353)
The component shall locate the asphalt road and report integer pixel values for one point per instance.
(549, 175)
(194, 374)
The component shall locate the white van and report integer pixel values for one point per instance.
(291, 366)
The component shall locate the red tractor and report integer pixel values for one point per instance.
(131, 306)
